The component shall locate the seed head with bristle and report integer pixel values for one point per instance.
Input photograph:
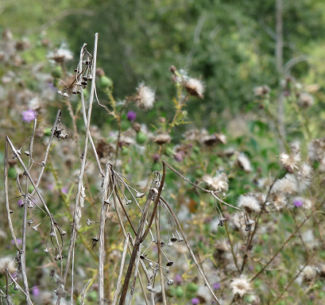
(145, 97)
(240, 285)
(194, 87)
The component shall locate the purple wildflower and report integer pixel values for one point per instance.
(156, 157)
(35, 291)
(18, 241)
(178, 157)
(20, 203)
(29, 115)
(195, 301)
(131, 116)
(178, 279)
(298, 203)
(216, 286)
(65, 190)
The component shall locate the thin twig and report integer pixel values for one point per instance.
(101, 248)
(190, 250)
(284, 244)
(157, 219)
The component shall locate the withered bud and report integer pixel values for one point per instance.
(162, 139)
(162, 120)
(172, 69)
(100, 72)
(136, 126)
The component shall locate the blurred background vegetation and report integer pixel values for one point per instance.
(229, 44)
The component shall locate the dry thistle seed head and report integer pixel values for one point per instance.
(170, 263)
(170, 282)
(249, 223)
(29, 221)
(106, 201)
(139, 195)
(52, 234)
(26, 153)
(43, 164)
(95, 239)
(63, 233)
(46, 250)
(162, 139)
(58, 257)
(221, 221)
(194, 87)
(151, 289)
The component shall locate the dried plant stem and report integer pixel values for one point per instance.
(37, 191)
(101, 248)
(231, 245)
(119, 280)
(7, 197)
(21, 289)
(250, 238)
(140, 237)
(58, 117)
(157, 219)
(294, 278)
(142, 264)
(24, 231)
(190, 250)
(284, 244)
(135, 251)
(82, 169)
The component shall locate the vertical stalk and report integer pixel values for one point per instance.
(101, 249)
(157, 219)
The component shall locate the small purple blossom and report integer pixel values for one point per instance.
(35, 291)
(50, 186)
(65, 190)
(18, 241)
(178, 279)
(29, 115)
(20, 203)
(216, 286)
(178, 157)
(195, 301)
(298, 203)
(156, 157)
(131, 116)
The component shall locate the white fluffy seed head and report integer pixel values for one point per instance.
(286, 185)
(194, 87)
(290, 162)
(7, 263)
(305, 100)
(240, 285)
(244, 163)
(249, 203)
(219, 182)
(145, 97)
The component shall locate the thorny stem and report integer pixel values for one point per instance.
(284, 244)
(157, 219)
(82, 169)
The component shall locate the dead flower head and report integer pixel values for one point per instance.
(240, 285)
